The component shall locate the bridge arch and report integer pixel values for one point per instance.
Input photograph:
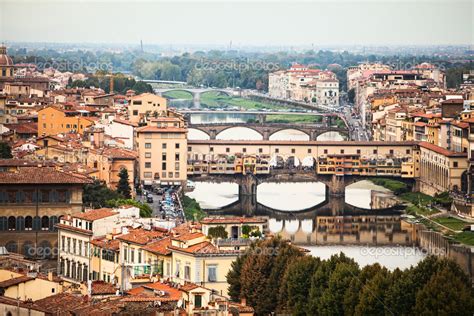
(217, 92)
(190, 94)
(252, 133)
(197, 134)
(330, 136)
(291, 134)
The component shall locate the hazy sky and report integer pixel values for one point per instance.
(263, 22)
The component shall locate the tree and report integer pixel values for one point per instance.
(445, 294)
(145, 209)
(332, 298)
(5, 151)
(294, 291)
(233, 278)
(372, 296)
(123, 186)
(217, 232)
(97, 194)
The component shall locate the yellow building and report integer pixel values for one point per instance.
(145, 106)
(196, 260)
(442, 170)
(53, 120)
(29, 286)
(161, 150)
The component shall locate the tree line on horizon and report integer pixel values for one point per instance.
(231, 68)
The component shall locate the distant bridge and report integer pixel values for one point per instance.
(195, 92)
(164, 81)
(268, 129)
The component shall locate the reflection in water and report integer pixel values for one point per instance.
(214, 195)
(289, 134)
(195, 134)
(365, 194)
(368, 238)
(209, 118)
(330, 136)
(291, 196)
(391, 257)
(239, 133)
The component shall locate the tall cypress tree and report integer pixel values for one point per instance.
(123, 186)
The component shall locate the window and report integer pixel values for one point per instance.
(147, 145)
(455, 164)
(342, 151)
(139, 256)
(163, 146)
(176, 166)
(211, 149)
(277, 150)
(135, 112)
(170, 174)
(212, 273)
(197, 300)
(187, 272)
(260, 150)
(132, 255)
(309, 150)
(163, 166)
(176, 145)
(147, 175)
(178, 267)
(148, 155)
(244, 150)
(325, 151)
(408, 151)
(190, 148)
(176, 156)
(227, 150)
(147, 164)
(293, 150)
(358, 151)
(375, 151)
(163, 157)
(391, 151)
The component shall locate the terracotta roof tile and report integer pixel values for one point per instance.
(92, 215)
(15, 281)
(159, 246)
(42, 175)
(141, 236)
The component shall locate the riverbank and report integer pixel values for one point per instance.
(431, 211)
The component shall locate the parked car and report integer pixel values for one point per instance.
(149, 199)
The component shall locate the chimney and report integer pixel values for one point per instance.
(50, 276)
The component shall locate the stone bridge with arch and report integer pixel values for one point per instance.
(268, 129)
(247, 204)
(195, 92)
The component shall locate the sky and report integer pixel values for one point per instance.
(246, 22)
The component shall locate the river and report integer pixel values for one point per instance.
(368, 237)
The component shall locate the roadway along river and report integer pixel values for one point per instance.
(368, 238)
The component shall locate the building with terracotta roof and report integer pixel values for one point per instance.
(442, 170)
(75, 235)
(162, 149)
(32, 199)
(300, 83)
(144, 106)
(54, 120)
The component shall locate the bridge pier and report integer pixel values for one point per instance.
(196, 99)
(248, 193)
(266, 134)
(212, 134)
(313, 135)
(337, 186)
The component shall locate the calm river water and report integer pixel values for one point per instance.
(369, 236)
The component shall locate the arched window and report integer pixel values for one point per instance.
(53, 220)
(44, 223)
(3, 223)
(36, 223)
(11, 223)
(28, 223)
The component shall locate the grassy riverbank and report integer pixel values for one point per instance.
(423, 207)
(216, 99)
(192, 209)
